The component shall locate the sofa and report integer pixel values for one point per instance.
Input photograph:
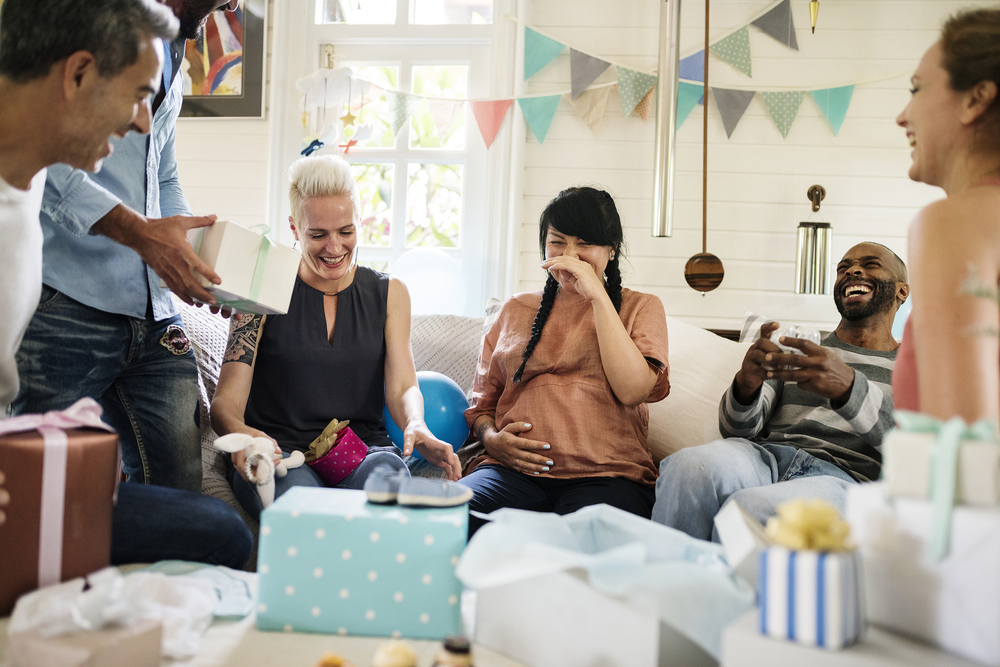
(702, 364)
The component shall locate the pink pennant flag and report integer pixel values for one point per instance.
(444, 113)
(489, 116)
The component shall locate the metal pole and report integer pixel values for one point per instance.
(666, 118)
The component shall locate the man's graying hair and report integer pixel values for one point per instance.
(36, 34)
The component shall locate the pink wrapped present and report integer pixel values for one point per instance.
(346, 454)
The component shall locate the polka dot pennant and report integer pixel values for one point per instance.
(783, 107)
(401, 107)
(735, 50)
(633, 86)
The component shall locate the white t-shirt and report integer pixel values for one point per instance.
(20, 274)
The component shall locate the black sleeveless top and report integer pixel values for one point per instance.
(301, 381)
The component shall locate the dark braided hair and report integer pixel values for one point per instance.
(588, 214)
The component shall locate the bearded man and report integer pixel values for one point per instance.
(798, 425)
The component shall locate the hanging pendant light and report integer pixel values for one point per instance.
(814, 251)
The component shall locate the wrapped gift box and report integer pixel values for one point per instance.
(135, 646)
(58, 523)
(810, 597)
(955, 602)
(906, 468)
(331, 562)
(257, 274)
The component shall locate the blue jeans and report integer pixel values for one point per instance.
(148, 389)
(695, 482)
(247, 494)
(495, 486)
(153, 523)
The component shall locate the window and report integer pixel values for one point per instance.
(428, 185)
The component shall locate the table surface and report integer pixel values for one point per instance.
(744, 646)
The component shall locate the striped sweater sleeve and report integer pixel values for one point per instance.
(746, 421)
(868, 409)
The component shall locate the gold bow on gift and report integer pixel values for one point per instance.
(322, 445)
(814, 525)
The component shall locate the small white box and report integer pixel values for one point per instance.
(954, 603)
(237, 254)
(906, 468)
(742, 538)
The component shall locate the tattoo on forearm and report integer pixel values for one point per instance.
(484, 427)
(244, 333)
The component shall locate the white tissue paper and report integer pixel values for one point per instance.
(183, 605)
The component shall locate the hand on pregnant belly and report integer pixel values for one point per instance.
(513, 450)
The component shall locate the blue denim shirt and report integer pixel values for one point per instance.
(142, 174)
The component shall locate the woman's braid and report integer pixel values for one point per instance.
(544, 308)
(613, 283)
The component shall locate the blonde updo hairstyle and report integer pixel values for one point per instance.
(322, 176)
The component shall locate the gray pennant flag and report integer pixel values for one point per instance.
(583, 69)
(778, 24)
(732, 105)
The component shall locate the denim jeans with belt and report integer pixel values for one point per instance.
(142, 372)
(696, 482)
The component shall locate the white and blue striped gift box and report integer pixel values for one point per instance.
(810, 597)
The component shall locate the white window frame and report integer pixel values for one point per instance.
(487, 252)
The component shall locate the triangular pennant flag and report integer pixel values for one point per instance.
(833, 102)
(633, 86)
(444, 113)
(538, 113)
(783, 107)
(539, 51)
(401, 107)
(735, 50)
(692, 68)
(645, 105)
(590, 106)
(583, 69)
(778, 24)
(732, 105)
(489, 117)
(687, 98)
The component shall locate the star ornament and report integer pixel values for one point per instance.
(348, 118)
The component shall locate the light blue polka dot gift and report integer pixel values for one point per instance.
(331, 562)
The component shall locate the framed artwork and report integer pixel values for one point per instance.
(224, 68)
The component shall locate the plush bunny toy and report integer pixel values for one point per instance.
(260, 454)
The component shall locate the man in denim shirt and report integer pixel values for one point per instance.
(104, 327)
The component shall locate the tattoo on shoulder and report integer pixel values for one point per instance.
(244, 333)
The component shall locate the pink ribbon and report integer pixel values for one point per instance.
(85, 413)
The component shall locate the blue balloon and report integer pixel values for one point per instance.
(444, 411)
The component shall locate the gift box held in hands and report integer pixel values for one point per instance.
(258, 275)
(331, 562)
(336, 452)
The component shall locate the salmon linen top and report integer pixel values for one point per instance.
(564, 393)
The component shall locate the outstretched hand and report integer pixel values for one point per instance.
(820, 371)
(440, 453)
(522, 454)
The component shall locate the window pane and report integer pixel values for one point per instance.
(375, 111)
(377, 265)
(359, 12)
(434, 205)
(450, 81)
(452, 12)
(375, 188)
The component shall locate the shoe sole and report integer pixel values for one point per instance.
(381, 497)
(417, 500)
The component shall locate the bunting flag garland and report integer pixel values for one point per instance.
(645, 105)
(539, 51)
(538, 113)
(444, 113)
(583, 70)
(489, 116)
(401, 107)
(732, 105)
(833, 102)
(783, 107)
(633, 86)
(692, 68)
(687, 97)
(590, 106)
(778, 24)
(735, 50)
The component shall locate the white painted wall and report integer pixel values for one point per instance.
(758, 181)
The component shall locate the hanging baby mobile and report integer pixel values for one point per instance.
(329, 95)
